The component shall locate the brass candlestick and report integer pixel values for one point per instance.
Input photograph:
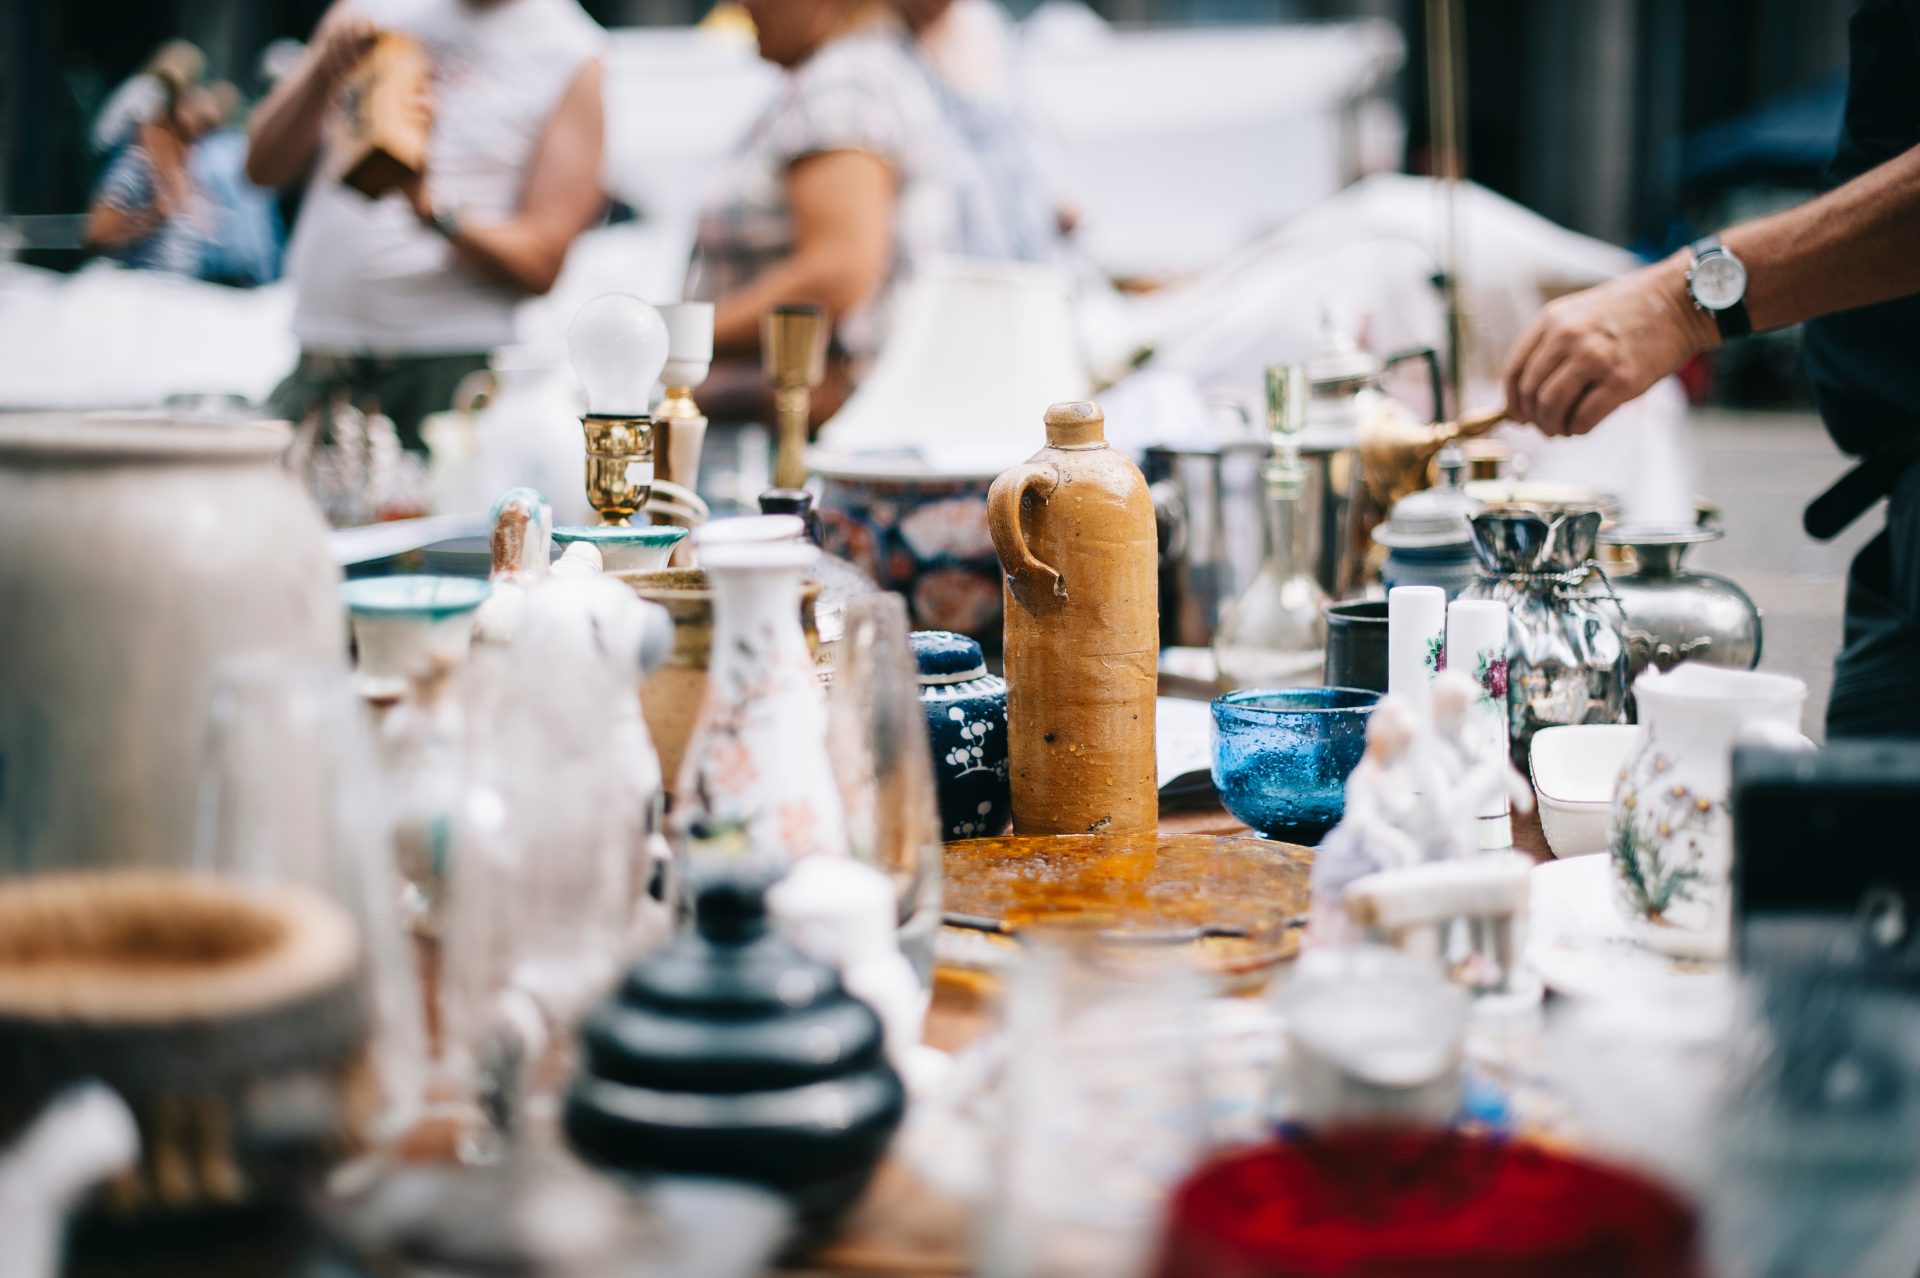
(794, 345)
(619, 464)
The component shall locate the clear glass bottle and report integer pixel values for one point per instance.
(1275, 634)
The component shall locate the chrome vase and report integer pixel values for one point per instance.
(1567, 658)
(1674, 615)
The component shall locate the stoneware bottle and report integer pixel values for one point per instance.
(1074, 529)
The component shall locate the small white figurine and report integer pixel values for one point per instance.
(1383, 813)
(843, 913)
(1462, 777)
(522, 545)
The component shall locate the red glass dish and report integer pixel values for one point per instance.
(1399, 1204)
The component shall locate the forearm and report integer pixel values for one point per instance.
(111, 227)
(284, 136)
(1852, 247)
(818, 277)
(519, 253)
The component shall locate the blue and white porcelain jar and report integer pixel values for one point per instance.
(967, 724)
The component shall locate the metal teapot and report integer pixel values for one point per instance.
(1568, 661)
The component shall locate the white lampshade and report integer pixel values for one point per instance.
(978, 351)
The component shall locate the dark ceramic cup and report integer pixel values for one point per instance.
(1357, 644)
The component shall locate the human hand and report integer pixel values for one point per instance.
(1590, 352)
(340, 41)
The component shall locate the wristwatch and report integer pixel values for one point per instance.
(446, 223)
(1717, 283)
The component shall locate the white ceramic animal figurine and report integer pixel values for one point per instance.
(522, 545)
(842, 912)
(82, 1137)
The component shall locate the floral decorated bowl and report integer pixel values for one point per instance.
(918, 533)
(1281, 756)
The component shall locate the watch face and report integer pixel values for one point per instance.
(1719, 280)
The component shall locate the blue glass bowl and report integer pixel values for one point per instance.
(1281, 756)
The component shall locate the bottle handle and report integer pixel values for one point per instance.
(1013, 494)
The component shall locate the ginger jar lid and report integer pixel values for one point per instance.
(945, 657)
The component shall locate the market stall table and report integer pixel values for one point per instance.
(903, 1227)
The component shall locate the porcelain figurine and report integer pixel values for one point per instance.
(1074, 528)
(1669, 832)
(732, 1054)
(1378, 828)
(756, 761)
(967, 727)
(522, 551)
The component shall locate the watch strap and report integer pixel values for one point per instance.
(1733, 321)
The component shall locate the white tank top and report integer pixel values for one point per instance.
(367, 276)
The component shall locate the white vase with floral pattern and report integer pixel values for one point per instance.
(756, 767)
(1670, 833)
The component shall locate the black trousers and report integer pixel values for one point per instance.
(1876, 677)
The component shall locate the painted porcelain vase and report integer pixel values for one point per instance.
(967, 725)
(1670, 833)
(756, 763)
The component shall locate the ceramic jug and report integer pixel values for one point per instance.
(757, 758)
(1074, 529)
(142, 554)
(1670, 832)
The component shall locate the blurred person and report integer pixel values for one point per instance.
(148, 211)
(841, 187)
(399, 299)
(1849, 262)
(247, 234)
(143, 97)
(1007, 209)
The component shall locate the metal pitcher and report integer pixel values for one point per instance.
(1567, 661)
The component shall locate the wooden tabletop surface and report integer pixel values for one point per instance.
(904, 1228)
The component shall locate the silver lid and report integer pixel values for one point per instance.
(1433, 517)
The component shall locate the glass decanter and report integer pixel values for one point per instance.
(1275, 634)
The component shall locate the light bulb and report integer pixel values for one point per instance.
(618, 345)
(689, 342)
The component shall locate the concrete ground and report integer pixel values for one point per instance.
(1762, 469)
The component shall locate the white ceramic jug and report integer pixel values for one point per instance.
(139, 555)
(1670, 832)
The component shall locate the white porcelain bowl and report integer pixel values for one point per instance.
(1574, 769)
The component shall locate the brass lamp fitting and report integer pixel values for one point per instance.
(619, 464)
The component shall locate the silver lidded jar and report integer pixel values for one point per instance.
(1674, 615)
(1567, 660)
(1427, 534)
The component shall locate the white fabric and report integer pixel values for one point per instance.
(367, 274)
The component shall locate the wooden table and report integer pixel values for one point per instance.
(902, 1227)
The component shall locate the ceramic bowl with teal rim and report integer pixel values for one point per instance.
(625, 547)
(1281, 756)
(407, 628)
